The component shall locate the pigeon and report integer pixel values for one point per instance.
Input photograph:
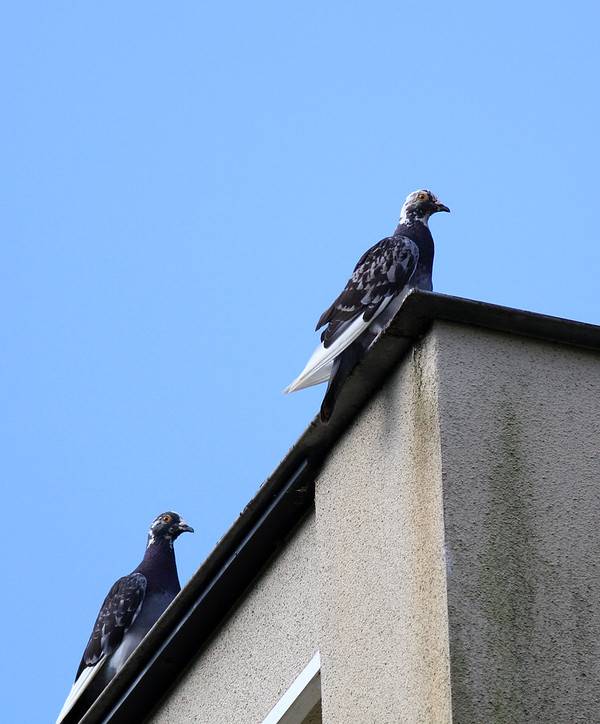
(132, 607)
(379, 284)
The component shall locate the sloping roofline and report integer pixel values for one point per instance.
(286, 496)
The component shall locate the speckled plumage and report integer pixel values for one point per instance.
(374, 292)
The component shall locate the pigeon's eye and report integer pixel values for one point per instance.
(166, 518)
(422, 196)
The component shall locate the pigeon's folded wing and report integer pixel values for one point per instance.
(118, 612)
(380, 275)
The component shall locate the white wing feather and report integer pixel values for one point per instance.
(79, 686)
(318, 367)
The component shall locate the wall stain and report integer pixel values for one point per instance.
(505, 594)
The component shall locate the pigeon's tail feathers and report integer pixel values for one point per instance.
(82, 682)
(317, 370)
(311, 376)
(318, 367)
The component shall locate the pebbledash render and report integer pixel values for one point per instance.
(430, 556)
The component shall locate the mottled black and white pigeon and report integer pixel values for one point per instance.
(132, 607)
(375, 291)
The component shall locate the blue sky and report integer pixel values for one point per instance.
(184, 188)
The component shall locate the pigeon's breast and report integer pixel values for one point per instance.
(421, 279)
(152, 609)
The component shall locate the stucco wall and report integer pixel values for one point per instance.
(259, 651)
(451, 572)
(384, 648)
(520, 431)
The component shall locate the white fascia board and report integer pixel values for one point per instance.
(300, 698)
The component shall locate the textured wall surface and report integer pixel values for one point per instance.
(261, 649)
(520, 427)
(451, 571)
(384, 647)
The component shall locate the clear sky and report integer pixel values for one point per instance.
(185, 187)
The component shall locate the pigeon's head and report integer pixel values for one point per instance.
(168, 526)
(420, 205)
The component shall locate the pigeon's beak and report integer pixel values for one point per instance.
(441, 207)
(184, 527)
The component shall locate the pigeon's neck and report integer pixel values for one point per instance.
(410, 216)
(158, 565)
